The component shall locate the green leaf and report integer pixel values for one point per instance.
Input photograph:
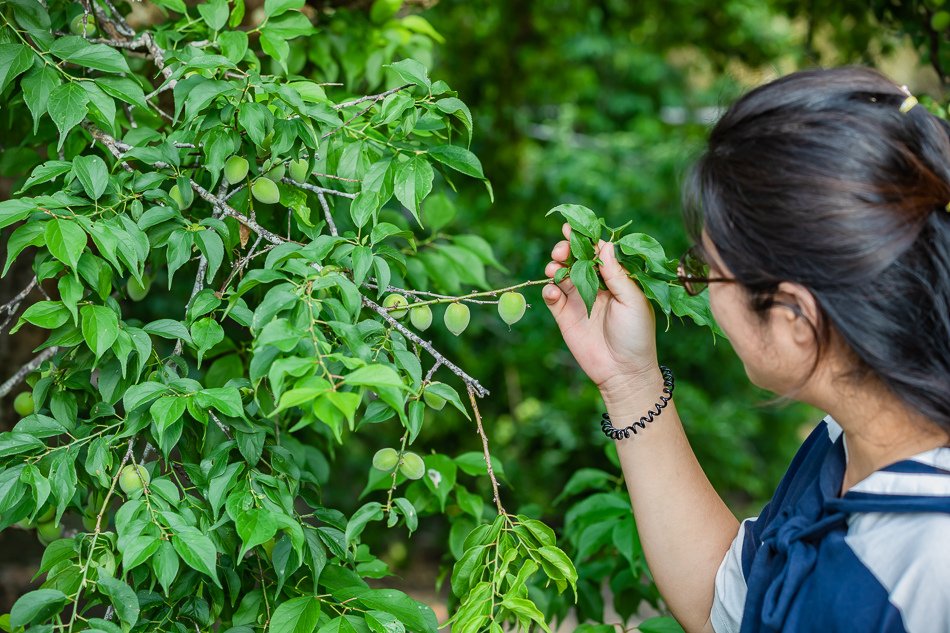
(412, 72)
(12, 211)
(36, 606)
(65, 241)
(92, 173)
(450, 394)
(45, 314)
(214, 13)
(256, 120)
(140, 394)
(413, 183)
(581, 219)
(372, 511)
(297, 615)
(227, 400)
(68, 105)
(123, 599)
(457, 107)
(168, 328)
(560, 562)
(459, 159)
(383, 10)
(408, 512)
(642, 245)
(380, 621)
(525, 608)
(125, 89)
(376, 375)
(37, 86)
(196, 550)
(206, 333)
(415, 615)
(585, 279)
(211, 246)
(100, 327)
(50, 170)
(274, 8)
(14, 443)
(254, 526)
(14, 60)
(71, 291)
(662, 624)
(95, 56)
(166, 563)
(167, 410)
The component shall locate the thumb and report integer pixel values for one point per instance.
(619, 284)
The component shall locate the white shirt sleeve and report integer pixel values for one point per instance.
(730, 593)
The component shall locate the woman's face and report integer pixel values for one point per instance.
(775, 355)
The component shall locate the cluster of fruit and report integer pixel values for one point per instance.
(264, 188)
(410, 464)
(511, 307)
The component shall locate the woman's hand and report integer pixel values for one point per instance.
(617, 344)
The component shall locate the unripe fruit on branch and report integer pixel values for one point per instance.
(131, 482)
(138, 291)
(940, 21)
(412, 466)
(299, 170)
(23, 403)
(457, 316)
(175, 194)
(396, 300)
(511, 307)
(48, 532)
(421, 317)
(433, 399)
(84, 27)
(265, 190)
(235, 169)
(47, 516)
(276, 172)
(385, 459)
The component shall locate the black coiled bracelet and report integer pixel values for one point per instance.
(617, 434)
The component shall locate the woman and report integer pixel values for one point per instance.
(821, 208)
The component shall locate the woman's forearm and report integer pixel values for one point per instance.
(684, 526)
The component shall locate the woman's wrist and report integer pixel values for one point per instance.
(626, 394)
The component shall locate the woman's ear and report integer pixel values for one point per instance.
(800, 313)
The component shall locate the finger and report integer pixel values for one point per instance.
(561, 251)
(615, 277)
(566, 230)
(551, 269)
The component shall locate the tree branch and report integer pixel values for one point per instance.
(21, 373)
(11, 306)
(327, 214)
(481, 433)
(316, 189)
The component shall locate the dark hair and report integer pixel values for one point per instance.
(818, 178)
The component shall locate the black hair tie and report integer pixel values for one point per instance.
(617, 434)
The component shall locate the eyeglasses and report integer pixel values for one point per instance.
(693, 272)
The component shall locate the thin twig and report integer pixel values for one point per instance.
(481, 433)
(95, 536)
(379, 97)
(327, 214)
(224, 429)
(431, 372)
(11, 306)
(21, 373)
(316, 189)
